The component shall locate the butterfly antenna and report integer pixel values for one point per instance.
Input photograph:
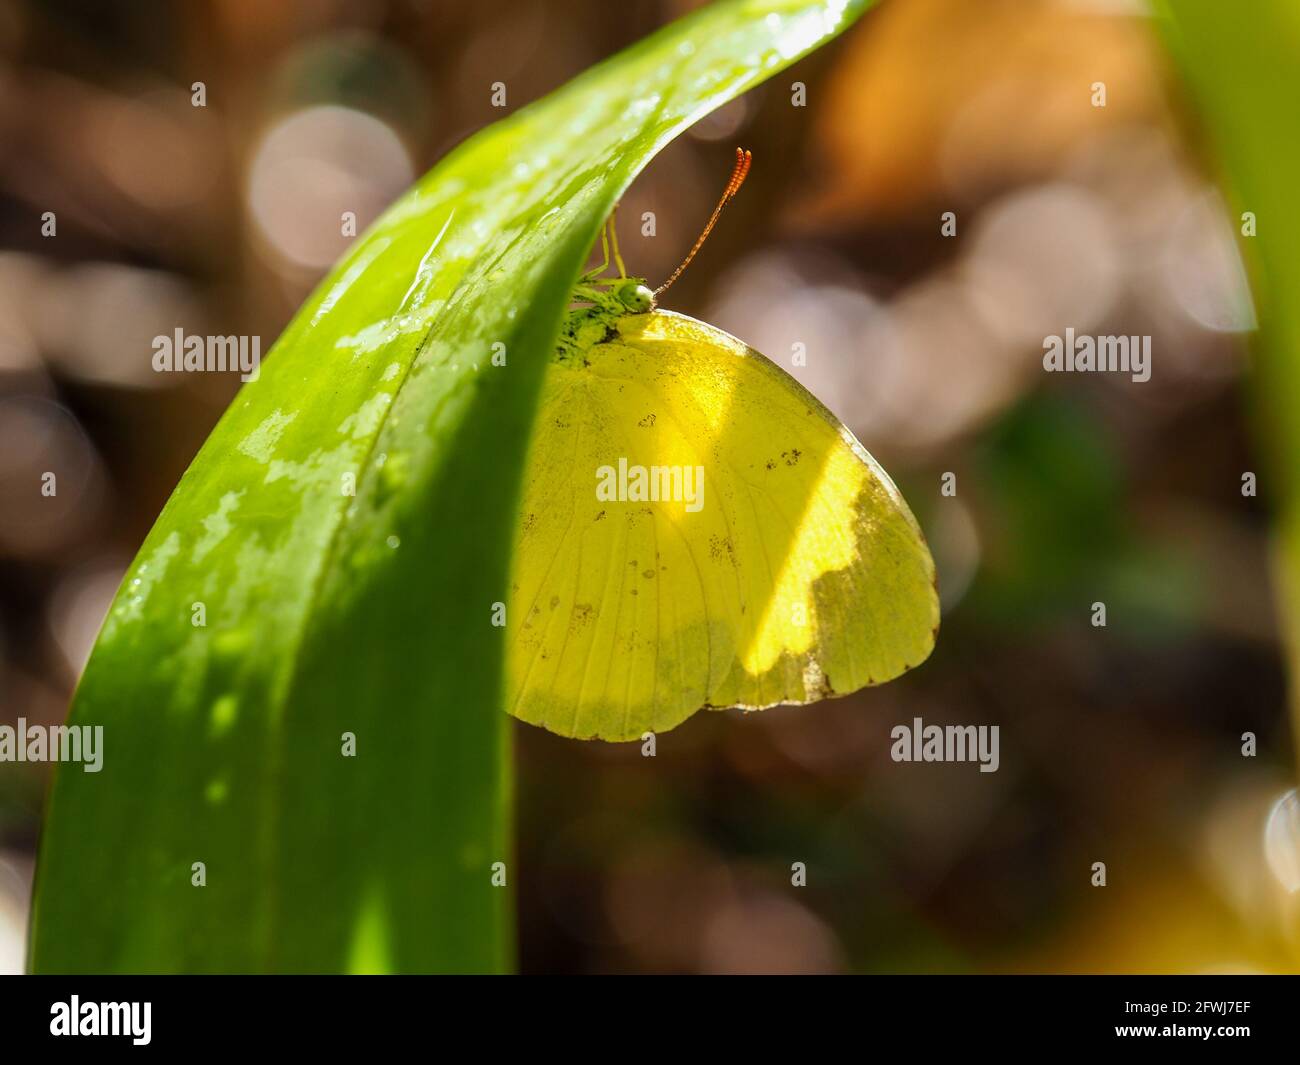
(738, 172)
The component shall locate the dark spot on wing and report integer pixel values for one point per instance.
(721, 545)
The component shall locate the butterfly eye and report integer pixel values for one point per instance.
(636, 298)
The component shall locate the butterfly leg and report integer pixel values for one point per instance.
(592, 275)
(613, 234)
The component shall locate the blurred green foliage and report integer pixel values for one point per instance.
(1242, 64)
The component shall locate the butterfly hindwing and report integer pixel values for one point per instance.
(796, 572)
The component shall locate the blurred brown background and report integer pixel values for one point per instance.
(1119, 744)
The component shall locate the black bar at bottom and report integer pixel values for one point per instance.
(212, 1013)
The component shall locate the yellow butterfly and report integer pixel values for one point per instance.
(697, 531)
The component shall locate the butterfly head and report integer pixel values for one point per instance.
(634, 295)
